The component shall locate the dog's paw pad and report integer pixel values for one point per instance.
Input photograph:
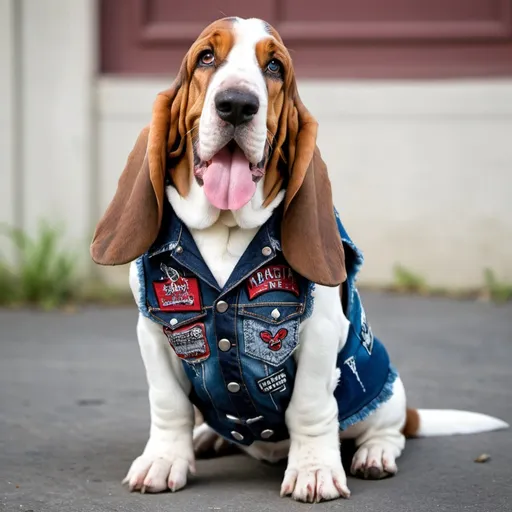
(151, 475)
(317, 485)
(374, 462)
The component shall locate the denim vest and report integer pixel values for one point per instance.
(236, 342)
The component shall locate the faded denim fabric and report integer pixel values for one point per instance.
(236, 342)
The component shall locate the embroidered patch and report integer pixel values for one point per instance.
(282, 340)
(351, 363)
(365, 334)
(170, 272)
(275, 382)
(274, 342)
(189, 342)
(273, 277)
(177, 293)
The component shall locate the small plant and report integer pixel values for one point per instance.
(407, 281)
(497, 291)
(45, 274)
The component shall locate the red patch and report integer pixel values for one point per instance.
(274, 342)
(189, 342)
(273, 277)
(179, 295)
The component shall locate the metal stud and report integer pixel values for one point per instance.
(237, 436)
(266, 251)
(173, 321)
(222, 306)
(266, 434)
(275, 314)
(233, 387)
(178, 249)
(224, 345)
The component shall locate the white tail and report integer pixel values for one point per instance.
(446, 422)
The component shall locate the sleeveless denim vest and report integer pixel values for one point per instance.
(236, 342)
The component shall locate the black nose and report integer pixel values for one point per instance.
(236, 107)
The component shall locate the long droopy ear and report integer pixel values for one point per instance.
(132, 220)
(310, 238)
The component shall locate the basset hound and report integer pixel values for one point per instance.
(244, 277)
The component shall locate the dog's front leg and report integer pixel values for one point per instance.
(315, 471)
(169, 452)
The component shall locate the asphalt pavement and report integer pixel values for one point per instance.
(74, 414)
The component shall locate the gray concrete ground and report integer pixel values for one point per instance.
(74, 413)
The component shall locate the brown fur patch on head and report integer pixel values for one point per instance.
(278, 110)
(217, 38)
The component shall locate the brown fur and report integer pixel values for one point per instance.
(412, 423)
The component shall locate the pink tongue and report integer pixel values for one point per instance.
(228, 183)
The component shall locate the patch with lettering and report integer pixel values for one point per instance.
(274, 342)
(271, 278)
(189, 342)
(176, 292)
(274, 382)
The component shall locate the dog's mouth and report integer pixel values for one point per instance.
(229, 179)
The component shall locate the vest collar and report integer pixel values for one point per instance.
(175, 238)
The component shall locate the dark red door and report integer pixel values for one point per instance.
(327, 38)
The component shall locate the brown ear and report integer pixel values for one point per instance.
(310, 238)
(132, 221)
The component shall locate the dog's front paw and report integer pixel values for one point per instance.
(314, 471)
(163, 465)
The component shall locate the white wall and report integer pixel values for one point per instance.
(48, 48)
(421, 171)
(7, 117)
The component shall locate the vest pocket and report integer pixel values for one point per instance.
(271, 331)
(187, 336)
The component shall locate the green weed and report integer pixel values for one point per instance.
(498, 291)
(45, 273)
(407, 281)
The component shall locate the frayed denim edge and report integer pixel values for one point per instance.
(310, 301)
(143, 308)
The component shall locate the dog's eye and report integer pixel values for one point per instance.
(274, 67)
(207, 58)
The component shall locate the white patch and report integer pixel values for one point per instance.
(239, 71)
(351, 363)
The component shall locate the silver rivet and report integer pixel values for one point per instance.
(250, 421)
(266, 251)
(224, 345)
(267, 433)
(275, 314)
(179, 249)
(173, 321)
(222, 306)
(237, 436)
(234, 387)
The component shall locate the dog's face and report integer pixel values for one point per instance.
(231, 134)
(238, 72)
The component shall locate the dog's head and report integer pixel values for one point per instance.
(231, 134)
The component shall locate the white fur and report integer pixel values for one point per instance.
(314, 468)
(241, 71)
(446, 422)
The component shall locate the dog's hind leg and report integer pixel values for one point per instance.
(379, 438)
